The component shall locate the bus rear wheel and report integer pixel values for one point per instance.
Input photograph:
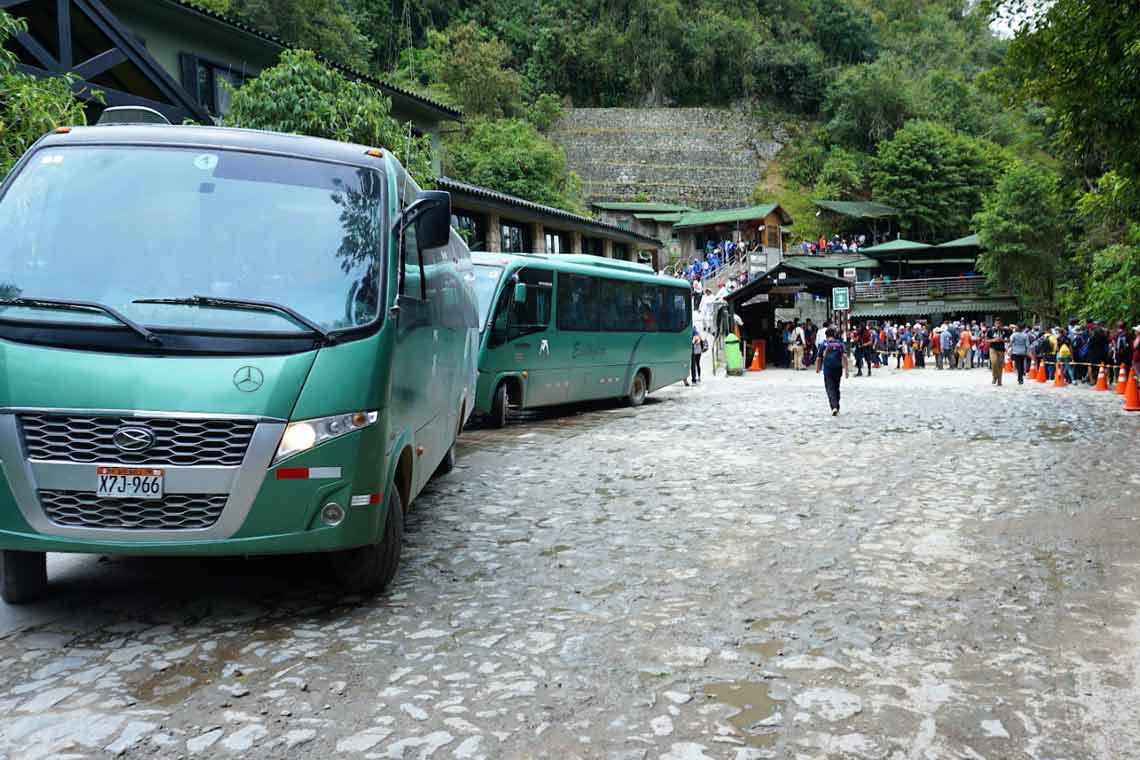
(499, 405)
(639, 390)
(370, 569)
(23, 576)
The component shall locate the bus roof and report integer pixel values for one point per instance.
(206, 138)
(578, 263)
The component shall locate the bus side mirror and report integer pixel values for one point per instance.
(431, 213)
(520, 292)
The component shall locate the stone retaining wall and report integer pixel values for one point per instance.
(702, 157)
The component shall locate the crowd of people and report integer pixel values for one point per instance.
(837, 244)
(960, 345)
(718, 256)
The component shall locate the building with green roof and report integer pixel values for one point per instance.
(647, 218)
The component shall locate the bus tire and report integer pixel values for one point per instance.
(369, 569)
(23, 576)
(638, 390)
(499, 405)
(448, 463)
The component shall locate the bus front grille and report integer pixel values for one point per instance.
(78, 509)
(178, 442)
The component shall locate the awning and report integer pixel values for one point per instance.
(858, 209)
(731, 216)
(921, 308)
(894, 248)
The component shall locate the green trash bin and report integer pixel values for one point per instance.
(734, 360)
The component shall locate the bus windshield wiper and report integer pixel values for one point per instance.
(250, 305)
(66, 304)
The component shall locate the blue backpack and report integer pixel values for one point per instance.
(832, 354)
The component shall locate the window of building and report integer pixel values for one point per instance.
(558, 242)
(514, 238)
(210, 83)
(472, 228)
(592, 246)
(621, 251)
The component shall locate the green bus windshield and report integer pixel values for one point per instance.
(486, 284)
(114, 224)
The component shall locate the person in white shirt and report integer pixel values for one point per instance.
(799, 342)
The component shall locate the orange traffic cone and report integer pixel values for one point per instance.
(1058, 376)
(1121, 379)
(1009, 365)
(1102, 379)
(908, 360)
(755, 357)
(1132, 395)
(1041, 371)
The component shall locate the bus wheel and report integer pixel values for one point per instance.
(23, 576)
(448, 463)
(637, 393)
(370, 569)
(499, 407)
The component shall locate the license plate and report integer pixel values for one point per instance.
(129, 483)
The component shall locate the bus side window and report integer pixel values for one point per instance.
(682, 305)
(411, 266)
(577, 310)
(649, 309)
(533, 314)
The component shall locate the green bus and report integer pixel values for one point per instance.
(567, 328)
(224, 342)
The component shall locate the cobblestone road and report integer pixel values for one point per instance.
(946, 570)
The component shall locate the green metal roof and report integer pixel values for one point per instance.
(896, 246)
(970, 241)
(670, 218)
(917, 308)
(730, 215)
(645, 207)
(834, 261)
(859, 209)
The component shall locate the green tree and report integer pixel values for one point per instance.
(1082, 60)
(1022, 229)
(326, 26)
(511, 156)
(29, 106)
(303, 96)
(935, 177)
(476, 74)
(843, 175)
(867, 103)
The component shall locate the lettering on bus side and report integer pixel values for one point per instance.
(585, 349)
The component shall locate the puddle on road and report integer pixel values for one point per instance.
(555, 550)
(760, 625)
(766, 649)
(1053, 577)
(755, 706)
(1056, 431)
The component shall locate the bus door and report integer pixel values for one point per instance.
(415, 392)
(522, 339)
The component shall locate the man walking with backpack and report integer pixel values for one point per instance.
(832, 362)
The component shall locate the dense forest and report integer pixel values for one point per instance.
(1028, 138)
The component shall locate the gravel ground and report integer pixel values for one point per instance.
(945, 570)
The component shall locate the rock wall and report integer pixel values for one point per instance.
(702, 157)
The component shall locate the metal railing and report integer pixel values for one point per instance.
(922, 288)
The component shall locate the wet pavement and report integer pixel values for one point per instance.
(946, 570)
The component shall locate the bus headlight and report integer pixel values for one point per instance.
(305, 434)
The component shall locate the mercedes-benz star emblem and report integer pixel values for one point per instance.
(133, 439)
(248, 379)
